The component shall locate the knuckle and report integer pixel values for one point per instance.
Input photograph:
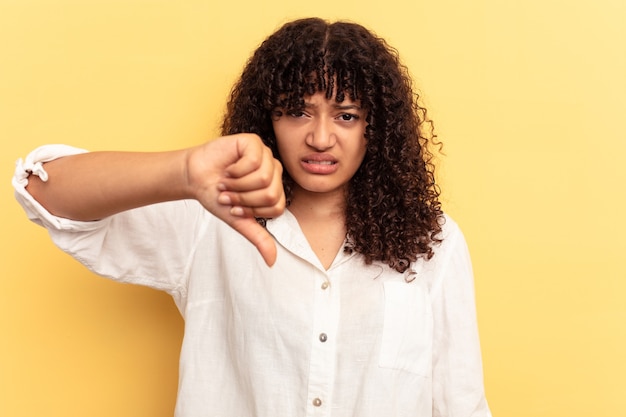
(255, 160)
(276, 197)
(265, 179)
(272, 197)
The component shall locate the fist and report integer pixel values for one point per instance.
(237, 179)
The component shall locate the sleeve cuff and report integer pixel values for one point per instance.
(33, 165)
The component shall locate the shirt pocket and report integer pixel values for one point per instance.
(407, 337)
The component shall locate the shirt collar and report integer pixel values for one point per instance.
(287, 232)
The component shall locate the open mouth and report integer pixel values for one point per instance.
(320, 162)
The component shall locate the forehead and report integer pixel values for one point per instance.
(319, 99)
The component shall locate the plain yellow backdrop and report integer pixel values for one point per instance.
(528, 96)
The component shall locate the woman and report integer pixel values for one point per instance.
(361, 301)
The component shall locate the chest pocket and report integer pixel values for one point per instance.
(408, 328)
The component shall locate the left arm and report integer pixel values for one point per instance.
(458, 389)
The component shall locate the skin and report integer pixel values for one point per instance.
(321, 147)
(234, 177)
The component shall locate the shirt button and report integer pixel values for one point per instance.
(325, 285)
(323, 337)
(317, 402)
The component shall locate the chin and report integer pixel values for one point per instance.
(323, 188)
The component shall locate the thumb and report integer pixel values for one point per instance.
(249, 228)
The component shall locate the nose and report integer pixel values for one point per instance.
(322, 135)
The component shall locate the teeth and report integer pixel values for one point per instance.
(321, 162)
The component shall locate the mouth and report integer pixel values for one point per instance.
(310, 161)
(321, 164)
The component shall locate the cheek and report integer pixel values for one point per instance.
(282, 147)
(286, 154)
(279, 141)
(362, 149)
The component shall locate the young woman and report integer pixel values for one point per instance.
(306, 248)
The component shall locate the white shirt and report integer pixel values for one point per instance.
(355, 340)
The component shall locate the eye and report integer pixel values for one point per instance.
(296, 113)
(348, 117)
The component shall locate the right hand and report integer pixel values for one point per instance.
(237, 179)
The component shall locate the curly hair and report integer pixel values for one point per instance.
(393, 214)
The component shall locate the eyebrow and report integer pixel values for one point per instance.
(337, 106)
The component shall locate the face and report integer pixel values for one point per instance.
(323, 144)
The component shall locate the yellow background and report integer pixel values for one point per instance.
(528, 96)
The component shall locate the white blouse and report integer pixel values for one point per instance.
(355, 340)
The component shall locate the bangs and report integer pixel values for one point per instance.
(321, 72)
(324, 78)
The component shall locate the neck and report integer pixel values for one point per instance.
(319, 206)
(322, 220)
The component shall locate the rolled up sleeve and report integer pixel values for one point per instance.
(33, 165)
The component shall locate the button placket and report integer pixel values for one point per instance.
(323, 349)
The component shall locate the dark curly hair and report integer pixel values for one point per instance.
(393, 214)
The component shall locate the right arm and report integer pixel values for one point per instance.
(234, 177)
